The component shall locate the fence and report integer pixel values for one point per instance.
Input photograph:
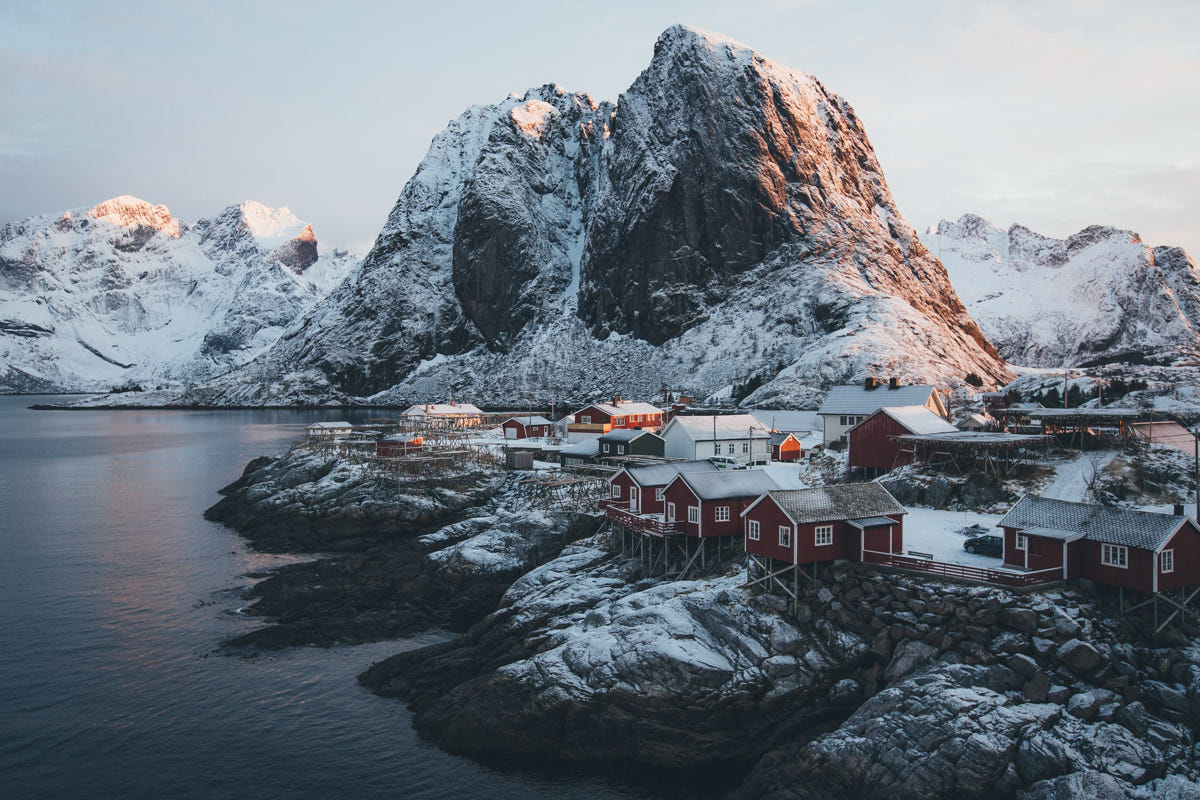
(998, 577)
(619, 514)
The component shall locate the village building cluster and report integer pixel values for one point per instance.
(682, 491)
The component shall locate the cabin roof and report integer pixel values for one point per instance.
(662, 474)
(857, 399)
(726, 485)
(627, 435)
(328, 425)
(728, 426)
(1144, 530)
(442, 410)
(842, 501)
(588, 447)
(623, 409)
(527, 420)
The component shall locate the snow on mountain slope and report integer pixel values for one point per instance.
(1100, 296)
(123, 293)
(726, 216)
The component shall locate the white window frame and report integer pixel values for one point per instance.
(616, 490)
(785, 536)
(822, 535)
(752, 530)
(670, 512)
(844, 420)
(620, 449)
(722, 513)
(585, 419)
(658, 494)
(1022, 542)
(745, 448)
(618, 421)
(606, 447)
(731, 446)
(1114, 555)
(1166, 561)
(694, 514)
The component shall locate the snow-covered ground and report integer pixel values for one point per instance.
(942, 533)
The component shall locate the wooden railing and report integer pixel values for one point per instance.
(998, 577)
(618, 512)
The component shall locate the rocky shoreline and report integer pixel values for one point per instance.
(881, 685)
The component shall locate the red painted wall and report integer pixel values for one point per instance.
(1186, 544)
(622, 480)
(770, 516)
(871, 446)
(790, 450)
(678, 493)
(396, 449)
(1137, 575)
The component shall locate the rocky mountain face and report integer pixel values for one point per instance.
(1100, 296)
(726, 216)
(123, 293)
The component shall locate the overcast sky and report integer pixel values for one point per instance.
(1053, 114)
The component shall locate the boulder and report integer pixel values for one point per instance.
(1078, 656)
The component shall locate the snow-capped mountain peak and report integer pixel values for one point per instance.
(1101, 295)
(132, 212)
(272, 226)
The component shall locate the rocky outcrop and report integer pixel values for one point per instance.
(414, 555)
(727, 209)
(925, 689)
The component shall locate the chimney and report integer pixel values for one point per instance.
(1179, 509)
(616, 399)
(870, 383)
(893, 383)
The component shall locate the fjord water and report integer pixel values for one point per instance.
(115, 594)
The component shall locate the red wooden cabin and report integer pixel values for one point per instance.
(706, 504)
(804, 526)
(639, 488)
(1138, 550)
(600, 418)
(786, 447)
(527, 427)
(872, 442)
(397, 445)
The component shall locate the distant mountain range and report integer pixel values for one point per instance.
(124, 294)
(724, 222)
(1100, 296)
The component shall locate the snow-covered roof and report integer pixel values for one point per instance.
(534, 420)
(330, 425)
(728, 426)
(917, 419)
(842, 501)
(442, 410)
(588, 447)
(779, 438)
(662, 474)
(402, 437)
(627, 435)
(857, 399)
(624, 408)
(728, 484)
(1144, 530)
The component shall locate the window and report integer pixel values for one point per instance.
(693, 513)
(731, 448)
(745, 448)
(722, 513)
(752, 529)
(1166, 561)
(585, 419)
(1114, 555)
(670, 512)
(658, 494)
(616, 490)
(785, 536)
(824, 535)
(605, 447)
(844, 420)
(1022, 542)
(620, 449)
(618, 421)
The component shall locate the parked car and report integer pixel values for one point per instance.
(725, 462)
(987, 545)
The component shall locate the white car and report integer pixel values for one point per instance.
(725, 462)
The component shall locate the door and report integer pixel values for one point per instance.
(510, 433)
(633, 499)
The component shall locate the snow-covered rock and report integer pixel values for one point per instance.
(726, 215)
(1096, 297)
(123, 293)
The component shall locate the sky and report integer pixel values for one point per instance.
(1053, 114)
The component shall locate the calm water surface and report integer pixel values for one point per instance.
(114, 594)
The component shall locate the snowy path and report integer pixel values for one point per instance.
(1071, 481)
